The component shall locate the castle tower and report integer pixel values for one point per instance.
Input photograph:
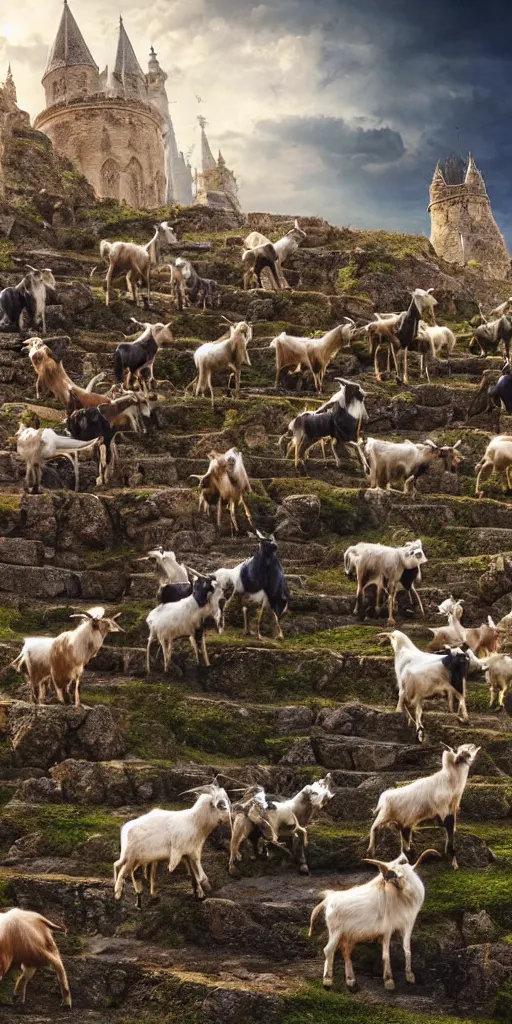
(10, 88)
(215, 184)
(462, 224)
(113, 135)
(178, 183)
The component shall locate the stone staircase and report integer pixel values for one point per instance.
(281, 714)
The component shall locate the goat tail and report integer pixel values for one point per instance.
(319, 909)
(54, 927)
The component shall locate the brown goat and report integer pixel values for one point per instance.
(26, 941)
(135, 261)
(50, 374)
(225, 480)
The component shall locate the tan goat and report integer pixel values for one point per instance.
(72, 650)
(26, 941)
(225, 354)
(497, 457)
(313, 354)
(225, 480)
(135, 261)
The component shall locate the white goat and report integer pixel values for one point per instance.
(26, 940)
(390, 902)
(34, 660)
(389, 462)
(438, 796)
(225, 354)
(36, 447)
(498, 675)
(172, 836)
(187, 617)
(168, 569)
(421, 675)
(496, 458)
(295, 812)
(383, 565)
(284, 247)
(439, 337)
(313, 354)
(72, 650)
(135, 261)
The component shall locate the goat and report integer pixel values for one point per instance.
(481, 640)
(135, 261)
(36, 447)
(225, 480)
(496, 458)
(421, 675)
(437, 798)
(313, 354)
(255, 261)
(283, 248)
(26, 941)
(439, 337)
(380, 564)
(50, 374)
(200, 290)
(498, 675)
(34, 660)
(406, 460)
(72, 650)
(186, 617)
(341, 421)
(390, 902)
(91, 424)
(28, 296)
(503, 309)
(225, 354)
(406, 328)
(168, 569)
(259, 580)
(172, 836)
(295, 813)
(133, 360)
(250, 821)
(178, 287)
(488, 336)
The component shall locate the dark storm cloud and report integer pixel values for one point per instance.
(336, 140)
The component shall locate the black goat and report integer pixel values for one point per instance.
(28, 296)
(341, 421)
(85, 425)
(170, 592)
(262, 578)
(491, 397)
(488, 336)
(256, 260)
(200, 290)
(133, 360)
(406, 327)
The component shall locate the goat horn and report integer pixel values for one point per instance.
(378, 863)
(117, 616)
(30, 268)
(426, 853)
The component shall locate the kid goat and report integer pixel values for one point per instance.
(435, 798)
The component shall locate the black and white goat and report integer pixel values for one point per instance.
(29, 296)
(491, 334)
(186, 617)
(133, 360)
(259, 580)
(340, 421)
(88, 424)
(200, 290)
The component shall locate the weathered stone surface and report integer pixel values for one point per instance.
(300, 752)
(40, 736)
(18, 551)
(293, 720)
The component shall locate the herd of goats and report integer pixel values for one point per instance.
(189, 602)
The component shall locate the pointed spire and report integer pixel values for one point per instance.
(126, 61)
(9, 85)
(207, 158)
(438, 174)
(473, 178)
(69, 48)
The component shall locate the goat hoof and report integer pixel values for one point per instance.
(352, 986)
(327, 983)
(409, 976)
(233, 871)
(304, 870)
(389, 985)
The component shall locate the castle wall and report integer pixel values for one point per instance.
(116, 144)
(65, 84)
(456, 210)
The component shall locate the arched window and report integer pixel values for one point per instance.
(135, 179)
(110, 178)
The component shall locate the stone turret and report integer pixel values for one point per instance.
(178, 182)
(216, 185)
(463, 228)
(128, 78)
(70, 70)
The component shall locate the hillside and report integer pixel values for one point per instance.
(282, 714)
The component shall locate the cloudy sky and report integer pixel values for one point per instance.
(338, 108)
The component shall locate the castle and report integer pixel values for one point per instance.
(117, 128)
(462, 224)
